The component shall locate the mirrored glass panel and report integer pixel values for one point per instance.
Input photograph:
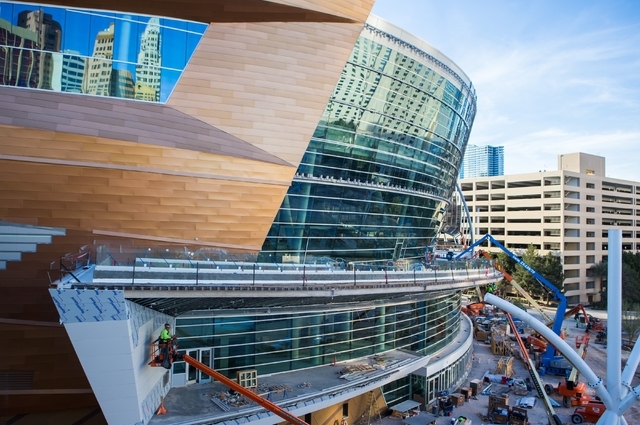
(380, 168)
(274, 343)
(94, 52)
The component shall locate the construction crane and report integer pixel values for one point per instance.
(551, 363)
(161, 357)
(535, 378)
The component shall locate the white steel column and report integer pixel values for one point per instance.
(614, 314)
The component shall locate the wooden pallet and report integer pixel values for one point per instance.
(505, 366)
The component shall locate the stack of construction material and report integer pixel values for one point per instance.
(498, 411)
(457, 399)
(476, 387)
(505, 366)
(500, 344)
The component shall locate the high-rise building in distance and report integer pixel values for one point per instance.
(482, 161)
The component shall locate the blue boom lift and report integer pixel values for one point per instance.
(551, 363)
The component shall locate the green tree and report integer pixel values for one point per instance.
(506, 262)
(549, 266)
(600, 271)
(631, 319)
(526, 279)
(553, 270)
(630, 278)
(630, 283)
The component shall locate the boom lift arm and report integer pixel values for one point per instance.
(559, 296)
(519, 288)
(158, 360)
(577, 309)
(535, 378)
(284, 414)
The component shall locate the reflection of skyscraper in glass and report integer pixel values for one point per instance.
(122, 84)
(17, 66)
(97, 77)
(72, 72)
(49, 34)
(149, 61)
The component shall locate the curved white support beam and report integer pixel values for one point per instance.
(629, 370)
(629, 400)
(618, 396)
(572, 356)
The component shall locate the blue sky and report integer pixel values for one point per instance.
(551, 77)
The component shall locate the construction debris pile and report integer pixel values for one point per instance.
(227, 399)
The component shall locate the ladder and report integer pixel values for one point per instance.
(373, 408)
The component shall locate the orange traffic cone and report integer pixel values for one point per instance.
(161, 409)
(334, 360)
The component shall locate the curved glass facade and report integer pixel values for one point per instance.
(383, 161)
(94, 52)
(283, 341)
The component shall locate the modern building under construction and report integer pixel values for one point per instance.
(260, 175)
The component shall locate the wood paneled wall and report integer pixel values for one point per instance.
(276, 81)
(214, 163)
(42, 348)
(236, 10)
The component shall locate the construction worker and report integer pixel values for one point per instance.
(165, 345)
(165, 335)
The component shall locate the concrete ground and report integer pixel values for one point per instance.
(485, 361)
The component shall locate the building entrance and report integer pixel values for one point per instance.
(194, 376)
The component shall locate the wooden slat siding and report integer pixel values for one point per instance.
(357, 10)
(233, 10)
(45, 350)
(22, 143)
(212, 210)
(120, 119)
(277, 79)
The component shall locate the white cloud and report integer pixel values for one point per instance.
(551, 77)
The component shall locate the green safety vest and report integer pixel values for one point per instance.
(165, 335)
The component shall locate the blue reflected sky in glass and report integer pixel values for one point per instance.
(81, 27)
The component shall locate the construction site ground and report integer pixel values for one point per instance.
(484, 361)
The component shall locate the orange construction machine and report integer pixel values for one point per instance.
(573, 393)
(163, 355)
(473, 310)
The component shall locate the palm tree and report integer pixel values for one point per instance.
(600, 271)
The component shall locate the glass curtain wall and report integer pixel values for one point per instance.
(279, 342)
(94, 52)
(383, 161)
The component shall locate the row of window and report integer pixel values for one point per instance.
(548, 181)
(570, 246)
(274, 343)
(382, 162)
(449, 379)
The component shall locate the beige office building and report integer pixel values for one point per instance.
(567, 212)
